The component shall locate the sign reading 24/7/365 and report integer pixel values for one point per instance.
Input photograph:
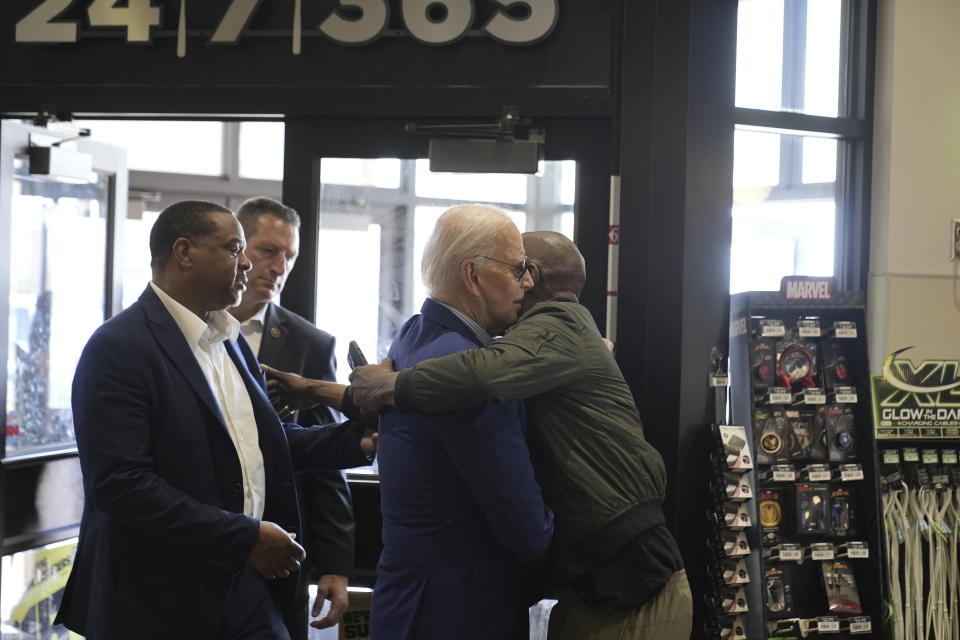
(351, 22)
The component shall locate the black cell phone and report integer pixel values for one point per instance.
(355, 357)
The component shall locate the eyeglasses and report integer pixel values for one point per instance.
(517, 269)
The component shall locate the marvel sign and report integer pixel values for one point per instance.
(807, 288)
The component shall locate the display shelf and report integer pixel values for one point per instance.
(800, 388)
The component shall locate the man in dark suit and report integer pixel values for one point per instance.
(286, 341)
(190, 516)
(463, 518)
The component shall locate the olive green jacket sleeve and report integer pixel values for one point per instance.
(538, 354)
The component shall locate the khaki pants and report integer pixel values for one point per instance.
(669, 616)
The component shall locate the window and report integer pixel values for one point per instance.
(136, 271)
(802, 128)
(32, 589)
(169, 161)
(261, 150)
(56, 301)
(788, 55)
(383, 173)
(376, 216)
(192, 147)
(470, 187)
(784, 211)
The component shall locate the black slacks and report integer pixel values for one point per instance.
(252, 612)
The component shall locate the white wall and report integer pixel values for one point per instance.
(914, 288)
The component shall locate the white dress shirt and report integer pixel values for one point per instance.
(252, 329)
(205, 339)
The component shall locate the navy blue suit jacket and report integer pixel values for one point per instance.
(291, 343)
(163, 532)
(463, 518)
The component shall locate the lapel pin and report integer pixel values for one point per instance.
(275, 332)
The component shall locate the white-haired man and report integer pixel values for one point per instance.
(463, 519)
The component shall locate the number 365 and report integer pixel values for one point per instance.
(433, 22)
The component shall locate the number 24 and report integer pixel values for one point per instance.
(140, 17)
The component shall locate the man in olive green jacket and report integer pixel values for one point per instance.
(614, 566)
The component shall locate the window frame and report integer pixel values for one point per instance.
(852, 127)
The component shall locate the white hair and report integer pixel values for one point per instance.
(462, 232)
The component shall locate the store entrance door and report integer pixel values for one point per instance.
(62, 202)
(368, 201)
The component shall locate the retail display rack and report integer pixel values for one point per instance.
(805, 515)
(916, 410)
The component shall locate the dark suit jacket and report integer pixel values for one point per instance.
(291, 343)
(163, 533)
(463, 518)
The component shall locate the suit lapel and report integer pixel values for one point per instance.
(273, 342)
(283, 348)
(168, 335)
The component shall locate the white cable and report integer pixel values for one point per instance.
(914, 566)
(944, 502)
(923, 500)
(950, 516)
(909, 620)
(894, 538)
(935, 509)
(900, 516)
(906, 527)
(954, 563)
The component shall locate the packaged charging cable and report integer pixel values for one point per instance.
(836, 370)
(800, 429)
(736, 449)
(843, 599)
(763, 363)
(796, 364)
(772, 435)
(770, 510)
(778, 591)
(841, 440)
(842, 501)
(819, 447)
(812, 503)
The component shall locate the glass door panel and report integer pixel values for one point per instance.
(784, 208)
(57, 299)
(31, 591)
(55, 276)
(135, 251)
(378, 229)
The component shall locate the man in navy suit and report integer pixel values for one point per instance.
(283, 339)
(463, 518)
(190, 515)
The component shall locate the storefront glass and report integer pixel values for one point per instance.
(57, 275)
(784, 208)
(31, 591)
(375, 218)
(790, 58)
